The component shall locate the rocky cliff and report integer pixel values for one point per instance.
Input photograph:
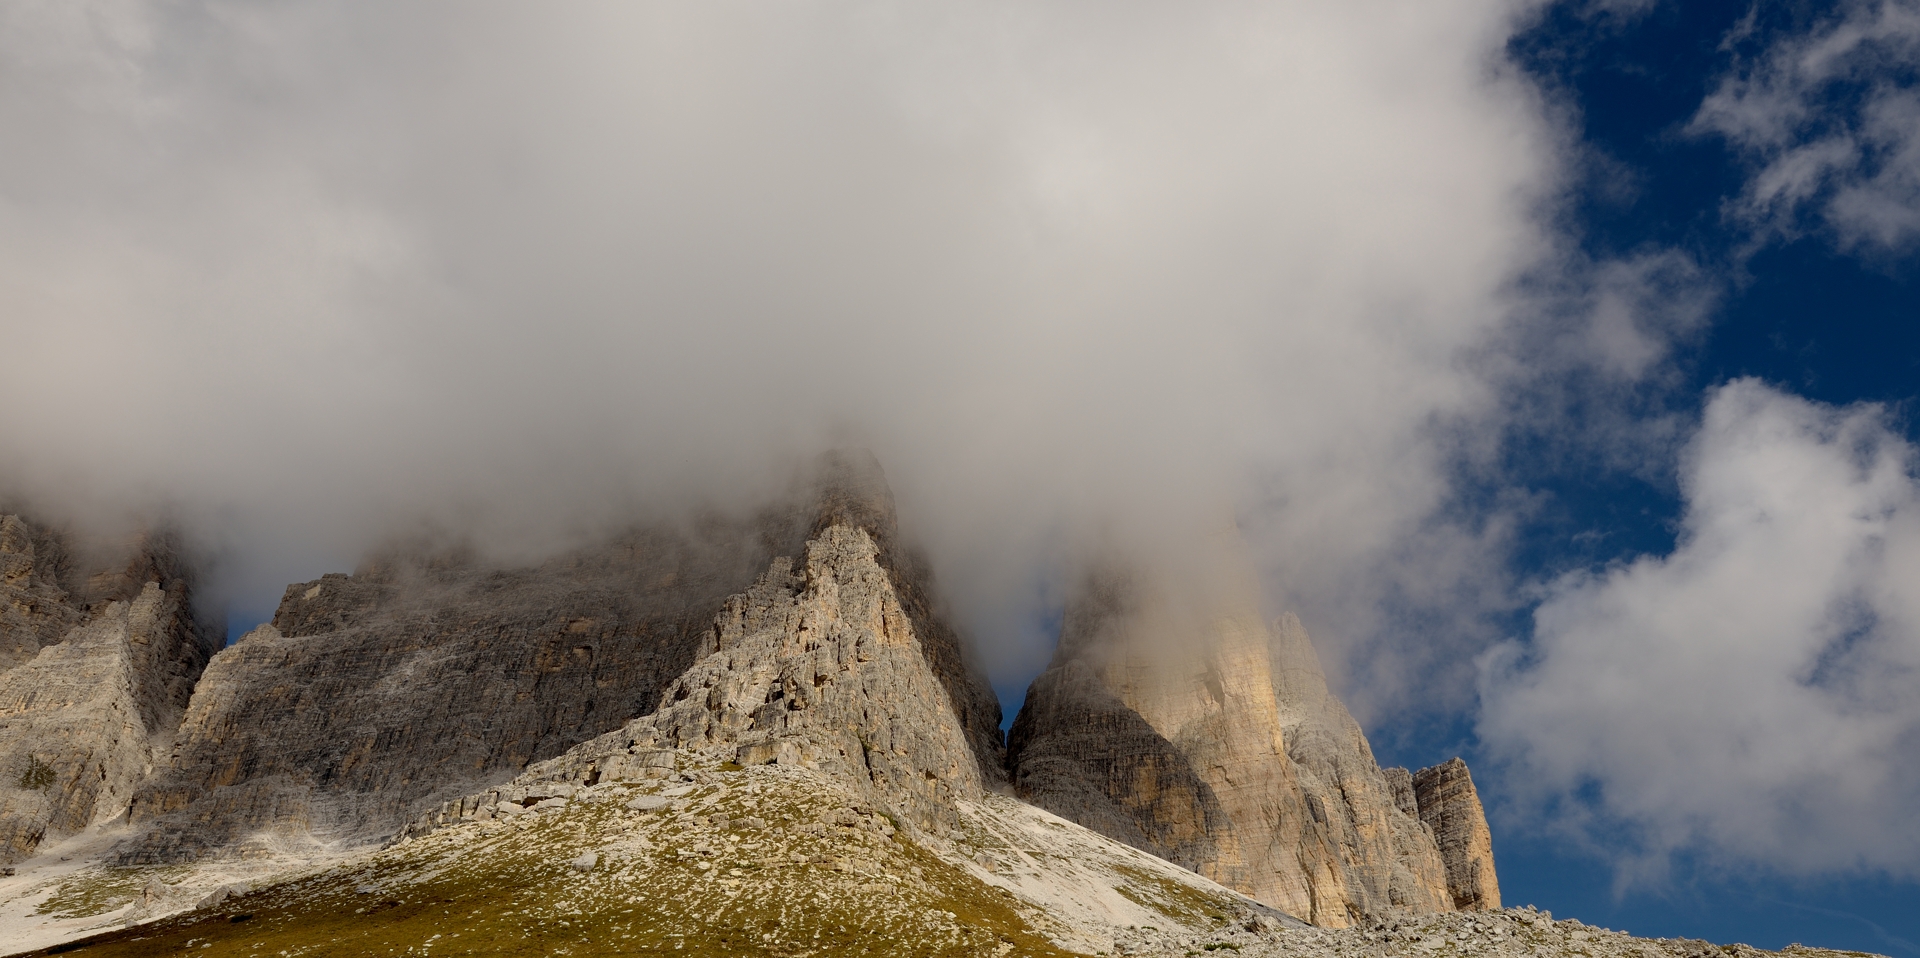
(819, 666)
(370, 695)
(1174, 719)
(833, 662)
(373, 697)
(1450, 806)
(36, 585)
(99, 662)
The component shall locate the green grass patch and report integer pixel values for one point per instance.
(97, 891)
(1183, 903)
(508, 890)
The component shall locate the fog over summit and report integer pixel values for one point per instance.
(1082, 276)
(308, 275)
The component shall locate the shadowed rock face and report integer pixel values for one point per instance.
(98, 663)
(1177, 721)
(373, 697)
(37, 605)
(1450, 805)
(1080, 751)
(371, 694)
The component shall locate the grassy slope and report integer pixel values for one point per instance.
(797, 867)
(667, 883)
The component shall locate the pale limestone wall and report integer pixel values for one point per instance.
(375, 697)
(1174, 719)
(425, 674)
(35, 608)
(1450, 805)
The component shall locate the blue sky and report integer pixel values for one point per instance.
(1801, 310)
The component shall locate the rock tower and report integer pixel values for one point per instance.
(1175, 719)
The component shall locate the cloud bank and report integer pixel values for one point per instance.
(1751, 697)
(310, 273)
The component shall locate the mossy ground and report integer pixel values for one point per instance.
(102, 889)
(1171, 898)
(775, 879)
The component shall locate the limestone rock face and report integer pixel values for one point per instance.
(1176, 720)
(822, 667)
(36, 608)
(1450, 805)
(370, 695)
(1390, 853)
(98, 669)
(824, 664)
(855, 496)
(1400, 781)
(374, 697)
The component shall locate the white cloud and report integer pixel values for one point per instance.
(1752, 696)
(1831, 120)
(313, 270)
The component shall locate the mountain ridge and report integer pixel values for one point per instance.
(782, 691)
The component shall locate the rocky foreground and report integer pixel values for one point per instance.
(773, 860)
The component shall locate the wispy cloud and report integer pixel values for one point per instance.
(1830, 120)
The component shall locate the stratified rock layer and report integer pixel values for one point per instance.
(1180, 723)
(98, 668)
(1450, 805)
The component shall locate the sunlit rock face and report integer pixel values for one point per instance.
(1450, 806)
(99, 657)
(821, 666)
(1175, 719)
